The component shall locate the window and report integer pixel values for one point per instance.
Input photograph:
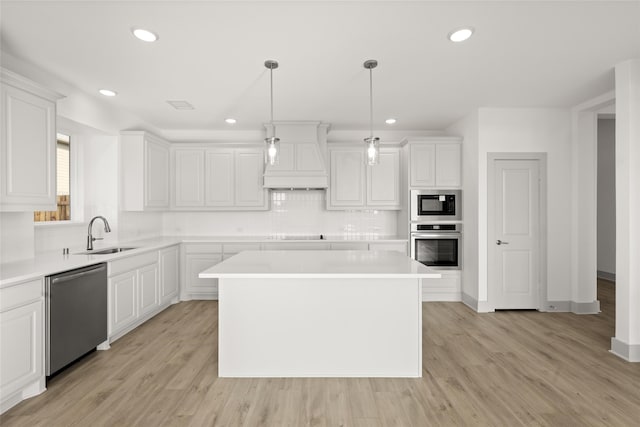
(63, 183)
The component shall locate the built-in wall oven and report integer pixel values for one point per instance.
(436, 205)
(437, 245)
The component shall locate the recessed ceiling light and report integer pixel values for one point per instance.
(390, 121)
(107, 92)
(145, 35)
(230, 121)
(461, 34)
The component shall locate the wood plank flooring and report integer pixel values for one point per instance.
(499, 369)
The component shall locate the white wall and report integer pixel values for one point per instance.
(532, 130)
(97, 176)
(493, 130)
(606, 212)
(626, 343)
(468, 129)
(16, 236)
(292, 212)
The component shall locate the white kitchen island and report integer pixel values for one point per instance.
(319, 314)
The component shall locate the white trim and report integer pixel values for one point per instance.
(628, 352)
(542, 216)
(592, 307)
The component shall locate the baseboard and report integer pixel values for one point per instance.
(33, 389)
(628, 352)
(606, 275)
(441, 297)
(199, 296)
(592, 307)
(557, 307)
(478, 306)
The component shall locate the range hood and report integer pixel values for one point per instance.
(302, 157)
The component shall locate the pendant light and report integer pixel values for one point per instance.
(373, 143)
(272, 143)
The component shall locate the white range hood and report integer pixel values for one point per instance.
(302, 157)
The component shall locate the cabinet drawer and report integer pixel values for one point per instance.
(131, 263)
(203, 248)
(21, 294)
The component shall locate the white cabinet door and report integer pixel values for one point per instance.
(383, 181)
(169, 274)
(123, 301)
(195, 286)
(219, 181)
(156, 176)
(422, 159)
(21, 347)
(448, 164)
(189, 177)
(144, 171)
(249, 190)
(148, 299)
(28, 147)
(347, 178)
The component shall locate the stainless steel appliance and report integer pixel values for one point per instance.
(76, 311)
(437, 245)
(436, 205)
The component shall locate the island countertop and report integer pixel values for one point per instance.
(320, 264)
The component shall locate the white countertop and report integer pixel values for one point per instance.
(324, 264)
(52, 262)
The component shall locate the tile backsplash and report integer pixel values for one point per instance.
(296, 212)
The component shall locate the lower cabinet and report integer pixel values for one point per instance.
(196, 258)
(169, 274)
(122, 301)
(139, 287)
(21, 342)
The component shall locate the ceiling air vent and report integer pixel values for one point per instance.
(181, 105)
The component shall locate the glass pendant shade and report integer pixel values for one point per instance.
(373, 150)
(272, 149)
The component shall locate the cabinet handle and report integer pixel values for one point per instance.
(500, 242)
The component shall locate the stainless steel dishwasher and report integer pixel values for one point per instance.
(76, 313)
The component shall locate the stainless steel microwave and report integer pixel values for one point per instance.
(436, 205)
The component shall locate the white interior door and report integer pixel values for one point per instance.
(514, 234)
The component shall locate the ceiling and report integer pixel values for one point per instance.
(211, 54)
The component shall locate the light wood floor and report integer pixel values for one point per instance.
(499, 369)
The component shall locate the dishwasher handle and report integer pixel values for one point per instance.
(89, 270)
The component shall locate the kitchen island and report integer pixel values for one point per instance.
(319, 314)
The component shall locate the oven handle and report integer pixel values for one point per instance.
(454, 235)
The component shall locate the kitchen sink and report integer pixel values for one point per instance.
(106, 251)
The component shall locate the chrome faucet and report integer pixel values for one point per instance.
(90, 237)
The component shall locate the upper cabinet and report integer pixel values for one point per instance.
(144, 159)
(28, 144)
(225, 178)
(435, 163)
(355, 185)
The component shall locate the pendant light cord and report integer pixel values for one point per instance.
(271, 79)
(371, 102)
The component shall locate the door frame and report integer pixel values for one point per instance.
(542, 218)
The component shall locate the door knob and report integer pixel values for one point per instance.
(500, 242)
